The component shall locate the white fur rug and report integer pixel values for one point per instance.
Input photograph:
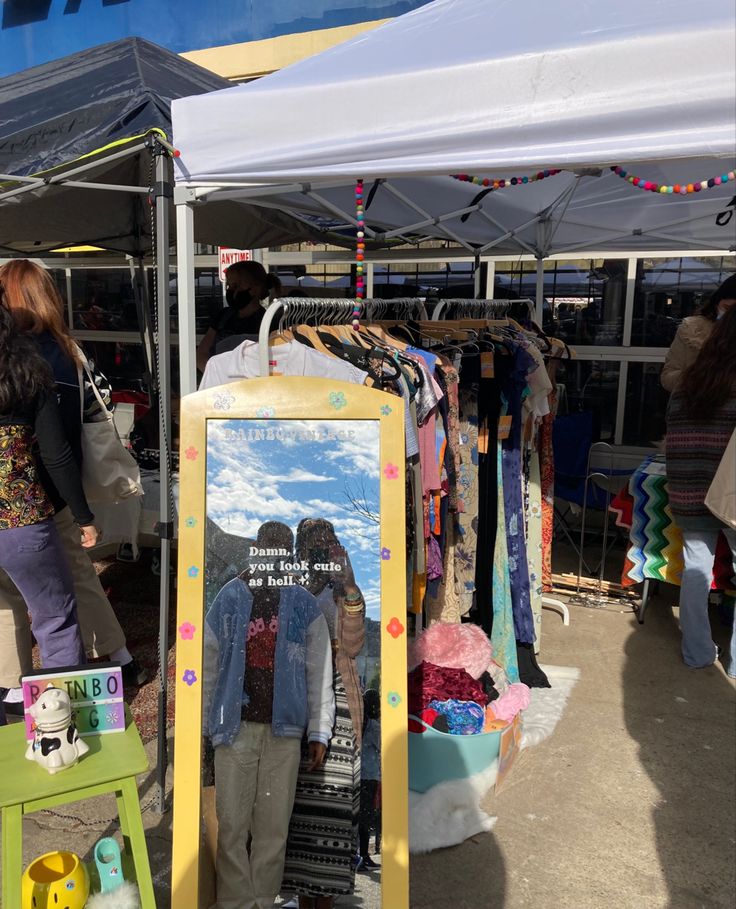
(123, 897)
(449, 813)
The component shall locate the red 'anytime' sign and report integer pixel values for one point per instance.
(229, 255)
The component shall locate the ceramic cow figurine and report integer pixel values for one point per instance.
(56, 744)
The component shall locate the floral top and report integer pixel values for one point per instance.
(22, 498)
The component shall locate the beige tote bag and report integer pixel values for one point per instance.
(109, 472)
(721, 498)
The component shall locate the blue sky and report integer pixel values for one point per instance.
(36, 31)
(251, 480)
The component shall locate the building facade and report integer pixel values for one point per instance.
(619, 312)
(238, 39)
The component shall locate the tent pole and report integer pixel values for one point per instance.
(162, 193)
(185, 285)
(539, 313)
(477, 278)
(140, 295)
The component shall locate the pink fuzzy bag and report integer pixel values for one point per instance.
(454, 646)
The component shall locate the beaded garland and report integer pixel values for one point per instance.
(502, 184)
(681, 189)
(359, 253)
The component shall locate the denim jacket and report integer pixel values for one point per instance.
(303, 694)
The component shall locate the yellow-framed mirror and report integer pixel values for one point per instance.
(291, 647)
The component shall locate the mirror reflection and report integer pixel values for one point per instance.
(291, 711)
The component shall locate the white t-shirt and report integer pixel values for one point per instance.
(290, 359)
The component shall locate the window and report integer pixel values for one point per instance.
(590, 386)
(646, 406)
(669, 290)
(583, 298)
(102, 300)
(451, 280)
(208, 298)
(122, 363)
(323, 280)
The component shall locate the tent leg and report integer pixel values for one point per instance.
(162, 195)
(141, 295)
(539, 312)
(185, 284)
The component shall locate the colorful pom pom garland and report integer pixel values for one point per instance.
(681, 189)
(502, 184)
(359, 253)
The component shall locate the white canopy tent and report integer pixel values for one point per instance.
(497, 90)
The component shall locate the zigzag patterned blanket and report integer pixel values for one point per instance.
(655, 541)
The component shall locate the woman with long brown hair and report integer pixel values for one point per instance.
(30, 549)
(33, 301)
(701, 418)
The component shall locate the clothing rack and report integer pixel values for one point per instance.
(470, 308)
(400, 307)
(293, 310)
(413, 372)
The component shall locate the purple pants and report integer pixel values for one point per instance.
(34, 560)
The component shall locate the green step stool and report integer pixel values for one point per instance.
(112, 764)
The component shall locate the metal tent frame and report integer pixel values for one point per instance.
(160, 194)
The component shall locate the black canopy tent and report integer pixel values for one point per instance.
(85, 159)
(89, 121)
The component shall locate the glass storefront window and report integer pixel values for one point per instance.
(123, 364)
(452, 280)
(322, 280)
(59, 276)
(590, 386)
(669, 290)
(646, 405)
(583, 298)
(208, 298)
(102, 300)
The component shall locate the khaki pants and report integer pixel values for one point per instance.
(255, 783)
(101, 631)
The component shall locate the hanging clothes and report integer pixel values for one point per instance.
(478, 405)
(467, 523)
(514, 386)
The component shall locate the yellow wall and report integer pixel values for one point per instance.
(257, 58)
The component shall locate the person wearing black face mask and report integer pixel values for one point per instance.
(247, 284)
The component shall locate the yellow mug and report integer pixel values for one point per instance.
(55, 880)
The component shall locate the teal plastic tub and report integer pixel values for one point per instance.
(438, 757)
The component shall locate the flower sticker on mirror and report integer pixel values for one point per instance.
(386, 410)
(190, 522)
(337, 400)
(191, 453)
(266, 413)
(394, 699)
(189, 677)
(385, 554)
(186, 630)
(193, 571)
(224, 400)
(395, 628)
(391, 471)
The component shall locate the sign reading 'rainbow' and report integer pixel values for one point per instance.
(96, 693)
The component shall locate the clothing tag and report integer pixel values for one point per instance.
(483, 439)
(504, 427)
(487, 369)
